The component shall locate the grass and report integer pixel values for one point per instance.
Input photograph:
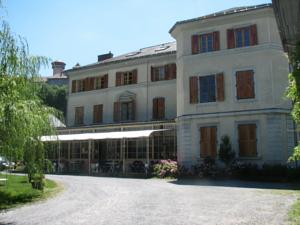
(18, 191)
(294, 213)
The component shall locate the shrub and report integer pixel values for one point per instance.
(226, 154)
(165, 168)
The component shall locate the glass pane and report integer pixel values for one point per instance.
(247, 37)
(209, 43)
(203, 43)
(207, 89)
(239, 38)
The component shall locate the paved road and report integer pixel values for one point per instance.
(114, 201)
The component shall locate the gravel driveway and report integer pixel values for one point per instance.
(114, 201)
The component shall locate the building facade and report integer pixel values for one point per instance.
(226, 74)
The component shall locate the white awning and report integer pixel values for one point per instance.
(100, 136)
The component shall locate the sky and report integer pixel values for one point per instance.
(77, 31)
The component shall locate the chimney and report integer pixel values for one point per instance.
(105, 56)
(58, 67)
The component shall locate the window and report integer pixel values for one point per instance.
(101, 82)
(79, 113)
(207, 89)
(242, 37)
(208, 142)
(98, 114)
(211, 88)
(245, 84)
(126, 111)
(166, 72)
(126, 78)
(247, 140)
(205, 42)
(158, 112)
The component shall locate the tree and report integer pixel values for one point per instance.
(294, 94)
(54, 96)
(23, 116)
(226, 154)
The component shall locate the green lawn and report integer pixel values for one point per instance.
(18, 191)
(294, 214)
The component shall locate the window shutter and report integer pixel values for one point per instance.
(250, 83)
(167, 72)
(86, 84)
(173, 71)
(119, 79)
(230, 39)
(161, 108)
(100, 113)
(195, 44)
(92, 83)
(247, 140)
(73, 86)
(253, 33)
(245, 84)
(152, 74)
(105, 81)
(134, 76)
(134, 109)
(193, 90)
(216, 40)
(154, 108)
(220, 87)
(117, 111)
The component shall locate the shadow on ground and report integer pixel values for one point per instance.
(237, 184)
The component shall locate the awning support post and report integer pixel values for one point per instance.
(58, 163)
(148, 158)
(89, 152)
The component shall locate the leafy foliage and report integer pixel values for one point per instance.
(294, 94)
(23, 116)
(54, 96)
(226, 154)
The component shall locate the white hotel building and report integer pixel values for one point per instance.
(226, 74)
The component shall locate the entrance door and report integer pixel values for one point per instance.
(208, 142)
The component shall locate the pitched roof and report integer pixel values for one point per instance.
(222, 13)
(156, 50)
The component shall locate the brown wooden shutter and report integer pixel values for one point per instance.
(247, 140)
(98, 113)
(220, 87)
(253, 33)
(79, 115)
(119, 76)
(245, 84)
(195, 44)
(173, 71)
(194, 90)
(86, 84)
(105, 81)
(161, 108)
(134, 113)
(73, 86)
(208, 142)
(155, 109)
(152, 74)
(167, 72)
(216, 40)
(92, 83)
(117, 111)
(230, 39)
(134, 76)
